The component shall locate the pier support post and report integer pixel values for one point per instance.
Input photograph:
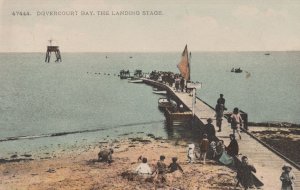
(194, 86)
(193, 103)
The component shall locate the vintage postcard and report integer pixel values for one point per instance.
(128, 94)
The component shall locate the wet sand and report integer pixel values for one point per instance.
(79, 169)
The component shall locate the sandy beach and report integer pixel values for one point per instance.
(79, 169)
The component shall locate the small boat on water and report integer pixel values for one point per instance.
(160, 92)
(238, 70)
(166, 103)
(267, 53)
(136, 81)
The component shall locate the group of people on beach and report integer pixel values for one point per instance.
(160, 170)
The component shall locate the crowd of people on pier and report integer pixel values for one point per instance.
(172, 79)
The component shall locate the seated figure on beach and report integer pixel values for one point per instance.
(212, 151)
(161, 169)
(209, 130)
(143, 169)
(174, 166)
(233, 147)
(244, 173)
(105, 155)
(224, 158)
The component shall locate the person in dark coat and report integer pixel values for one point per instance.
(233, 147)
(182, 84)
(221, 100)
(244, 173)
(219, 115)
(209, 129)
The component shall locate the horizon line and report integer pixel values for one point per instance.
(153, 51)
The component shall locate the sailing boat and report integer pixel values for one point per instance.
(184, 64)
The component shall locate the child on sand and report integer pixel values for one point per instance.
(174, 166)
(204, 147)
(191, 153)
(143, 169)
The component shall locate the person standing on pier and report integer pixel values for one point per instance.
(177, 83)
(236, 122)
(287, 178)
(221, 100)
(182, 84)
(219, 115)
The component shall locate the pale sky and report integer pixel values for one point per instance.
(205, 25)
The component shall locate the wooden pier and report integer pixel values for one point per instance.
(267, 163)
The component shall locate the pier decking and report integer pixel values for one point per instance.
(267, 163)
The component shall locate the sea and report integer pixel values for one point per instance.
(46, 107)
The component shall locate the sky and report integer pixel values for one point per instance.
(205, 25)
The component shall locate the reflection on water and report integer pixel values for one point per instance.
(189, 131)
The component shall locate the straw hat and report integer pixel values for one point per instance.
(286, 165)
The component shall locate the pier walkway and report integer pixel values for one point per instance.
(267, 163)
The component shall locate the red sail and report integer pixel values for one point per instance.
(184, 65)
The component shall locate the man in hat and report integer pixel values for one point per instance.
(287, 178)
(209, 130)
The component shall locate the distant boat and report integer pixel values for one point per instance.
(267, 53)
(136, 81)
(166, 103)
(238, 70)
(106, 57)
(130, 57)
(160, 92)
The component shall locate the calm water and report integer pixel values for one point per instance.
(38, 98)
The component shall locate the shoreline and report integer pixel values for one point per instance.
(79, 169)
(274, 124)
